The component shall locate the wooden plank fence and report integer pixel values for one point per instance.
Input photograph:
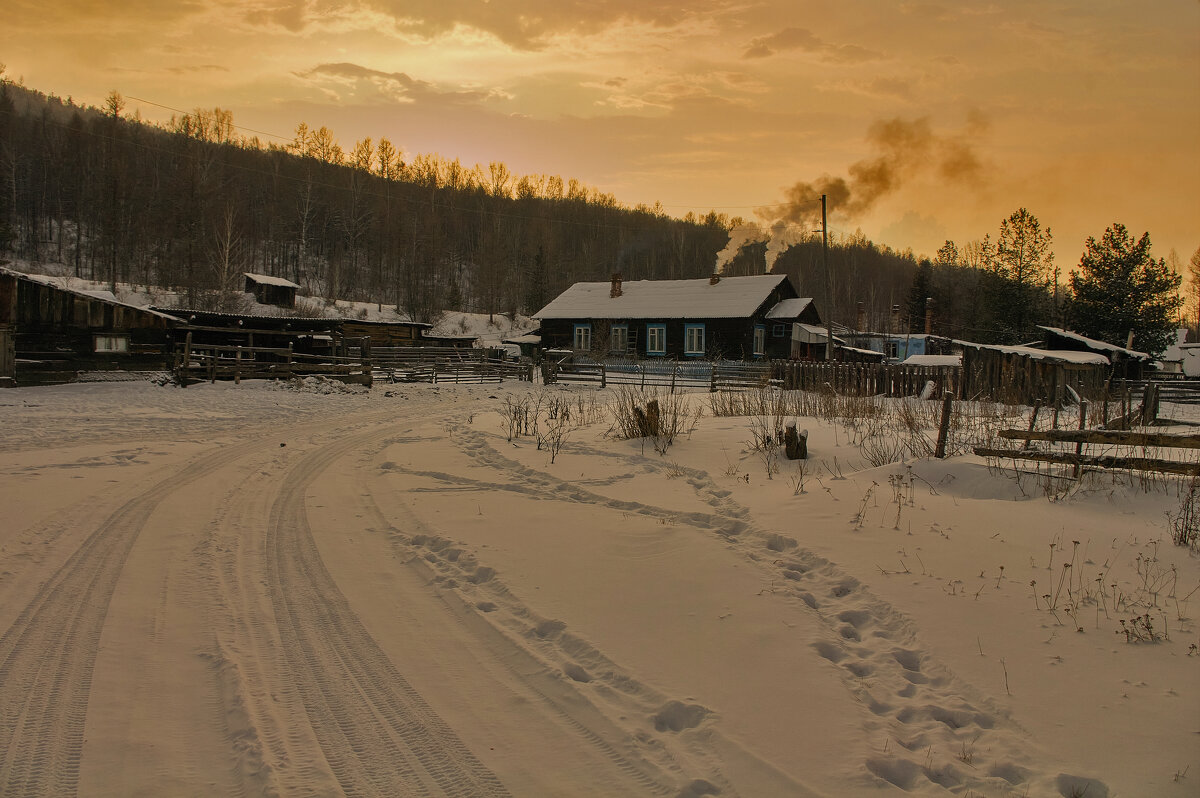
(670, 374)
(446, 364)
(1176, 390)
(869, 379)
(8, 356)
(195, 362)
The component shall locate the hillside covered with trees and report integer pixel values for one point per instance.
(193, 203)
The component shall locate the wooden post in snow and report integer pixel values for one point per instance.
(187, 360)
(944, 428)
(237, 366)
(1032, 422)
(1083, 408)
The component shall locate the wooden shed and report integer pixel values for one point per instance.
(57, 331)
(270, 290)
(1024, 375)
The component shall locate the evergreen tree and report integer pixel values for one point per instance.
(919, 295)
(1120, 288)
(1016, 282)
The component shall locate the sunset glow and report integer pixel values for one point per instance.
(1086, 113)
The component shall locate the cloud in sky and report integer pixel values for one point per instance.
(806, 41)
(699, 104)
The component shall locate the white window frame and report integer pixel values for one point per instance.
(618, 339)
(581, 338)
(110, 343)
(693, 339)
(760, 340)
(656, 339)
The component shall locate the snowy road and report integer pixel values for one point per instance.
(248, 591)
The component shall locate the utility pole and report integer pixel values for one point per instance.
(828, 282)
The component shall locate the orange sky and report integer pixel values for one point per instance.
(1084, 112)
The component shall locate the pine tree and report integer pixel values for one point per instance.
(1120, 288)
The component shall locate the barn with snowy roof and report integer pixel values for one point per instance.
(708, 318)
(270, 290)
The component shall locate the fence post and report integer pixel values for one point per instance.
(187, 360)
(364, 352)
(1149, 404)
(674, 371)
(944, 428)
(289, 359)
(237, 366)
(712, 381)
(1083, 408)
(1032, 422)
(603, 376)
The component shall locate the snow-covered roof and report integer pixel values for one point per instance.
(729, 298)
(789, 308)
(266, 279)
(857, 350)
(88, 293)
(812, 334)
(1053, 355)
(1093, 343)
(933, 360)
(527, 338)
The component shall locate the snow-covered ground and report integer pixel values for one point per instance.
(302, 589)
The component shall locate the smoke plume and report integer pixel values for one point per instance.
(739, 236)
(903, 149)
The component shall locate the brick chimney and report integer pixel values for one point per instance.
(716, 278)
(616, 286)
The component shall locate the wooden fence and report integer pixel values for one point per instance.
(670, 374)
(869, 379)
(8, 357)
(196, 362)
(1177, 390)
(446, 364)
(1135, 443)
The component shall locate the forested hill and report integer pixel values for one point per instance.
(193, 203)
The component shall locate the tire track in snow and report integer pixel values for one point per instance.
(48, 653)
(377, 733)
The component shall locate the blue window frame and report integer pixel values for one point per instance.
(693, 339)
(778, 330)
(656, 339)
(582, 338)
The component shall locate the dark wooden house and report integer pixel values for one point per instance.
(270, 290)
(709, 318)
(56, 332)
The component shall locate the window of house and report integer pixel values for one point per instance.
(760, 340)
(893, 349)
(111, 343)
(778, 330)
(619, 339)
(693, 339)
(656, 339)
(583, 337)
